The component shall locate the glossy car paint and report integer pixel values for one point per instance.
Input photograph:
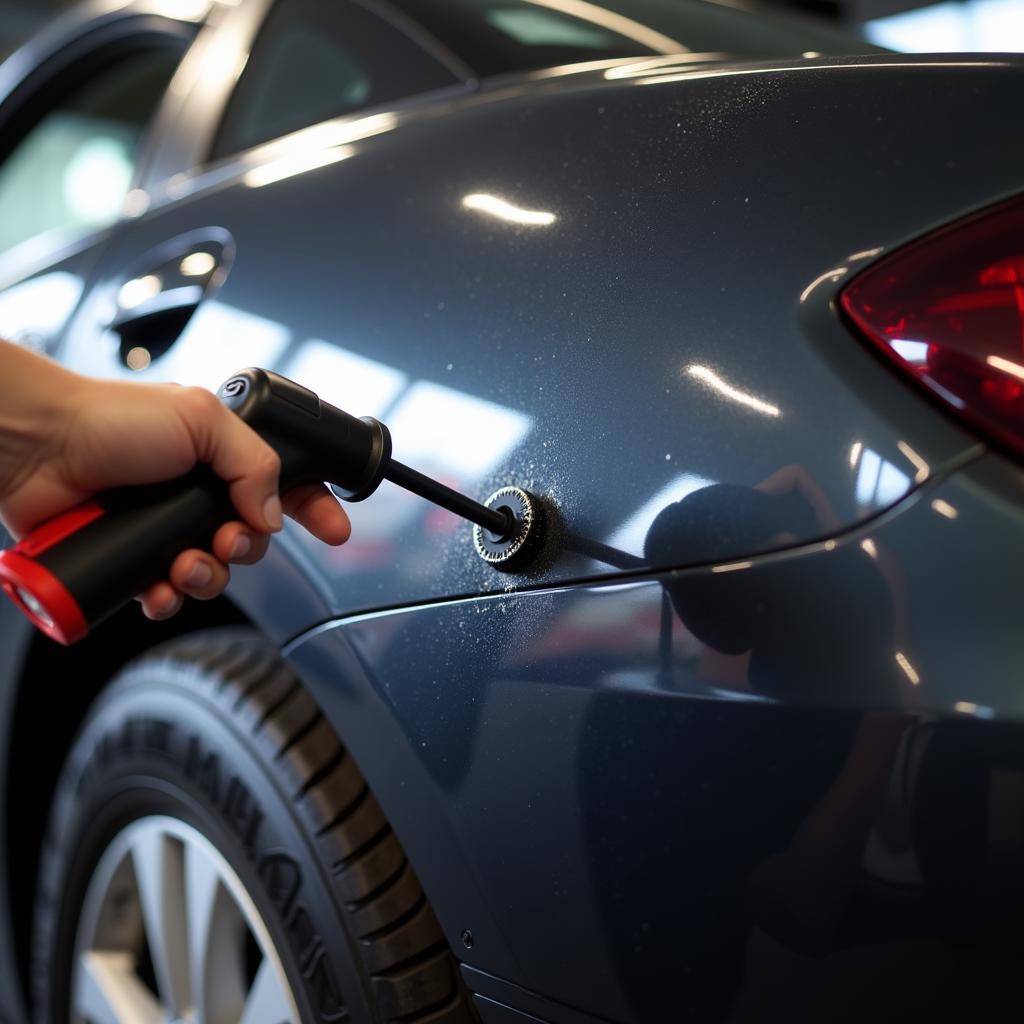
(614, 359)
(594, 799)
(637, 824)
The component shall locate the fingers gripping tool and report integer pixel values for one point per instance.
(77, 569)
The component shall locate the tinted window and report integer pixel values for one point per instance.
(72, 168)
(314, 60)
(495, 36)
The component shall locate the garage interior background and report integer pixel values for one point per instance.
(948, 26)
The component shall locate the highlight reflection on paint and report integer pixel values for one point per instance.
(944, 508)
(506, 211)
(1006, 365)
(904, 663)
(725, 389)
(296, 163)
(614, 22)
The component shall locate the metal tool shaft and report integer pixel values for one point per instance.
(489, 518)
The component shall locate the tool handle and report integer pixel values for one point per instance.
(75, 570)
(80, 567)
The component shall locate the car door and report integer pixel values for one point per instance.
(77, 104)
(181, 292)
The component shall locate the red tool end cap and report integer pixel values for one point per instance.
(42, 597)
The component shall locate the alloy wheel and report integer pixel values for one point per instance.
(169, 935)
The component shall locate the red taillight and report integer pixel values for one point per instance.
(949, 309)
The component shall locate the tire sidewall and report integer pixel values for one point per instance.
(157, 744)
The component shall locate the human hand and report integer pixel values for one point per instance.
(63, 438)
(790, 479)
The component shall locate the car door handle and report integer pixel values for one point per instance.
(163, 302)
(154, 306)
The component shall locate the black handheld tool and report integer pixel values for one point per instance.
(80, 567)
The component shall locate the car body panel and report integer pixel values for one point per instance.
(605, 809)
(523, 732)
(506, 361)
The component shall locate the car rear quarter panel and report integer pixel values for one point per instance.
(788, 792)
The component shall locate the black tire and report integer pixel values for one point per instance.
(215, 730)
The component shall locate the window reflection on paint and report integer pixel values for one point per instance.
(438, 429)
(182, 10)
(961, 27)
(879, 482)
(631, 535)
(293, 164)
(38, 307)
(912, 351)
(219, 340)
(360, 386)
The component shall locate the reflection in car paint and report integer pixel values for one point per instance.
(304, 150)
(197, 264)
(630, 536)
(879, 482)
(445, 430)
(736, 72)
(293, 164)
(832, 276)
(361, 386)
(644, 66)
(35, 310)
(504, 210)
(727, 390)
(796, 828)
(136, 291)
(612, 21)
(219, 339)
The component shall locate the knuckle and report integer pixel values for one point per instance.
(200, 401)
(269, 462)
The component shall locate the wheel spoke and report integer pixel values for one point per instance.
(217, 934)
(108, 991)
(268, 1002)
(159, 875)
(202, 885)
(164, 897)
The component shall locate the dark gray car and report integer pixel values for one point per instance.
(744, 310)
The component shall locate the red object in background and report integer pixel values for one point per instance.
(949, 309)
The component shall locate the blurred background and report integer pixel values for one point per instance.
(905, 25)
(20, 18)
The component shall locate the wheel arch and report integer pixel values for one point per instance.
(44, 715)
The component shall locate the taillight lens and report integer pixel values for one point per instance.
(949, 309)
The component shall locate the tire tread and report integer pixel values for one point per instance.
(412, 972)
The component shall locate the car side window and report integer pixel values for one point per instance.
(73, 165)
(315, 60)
